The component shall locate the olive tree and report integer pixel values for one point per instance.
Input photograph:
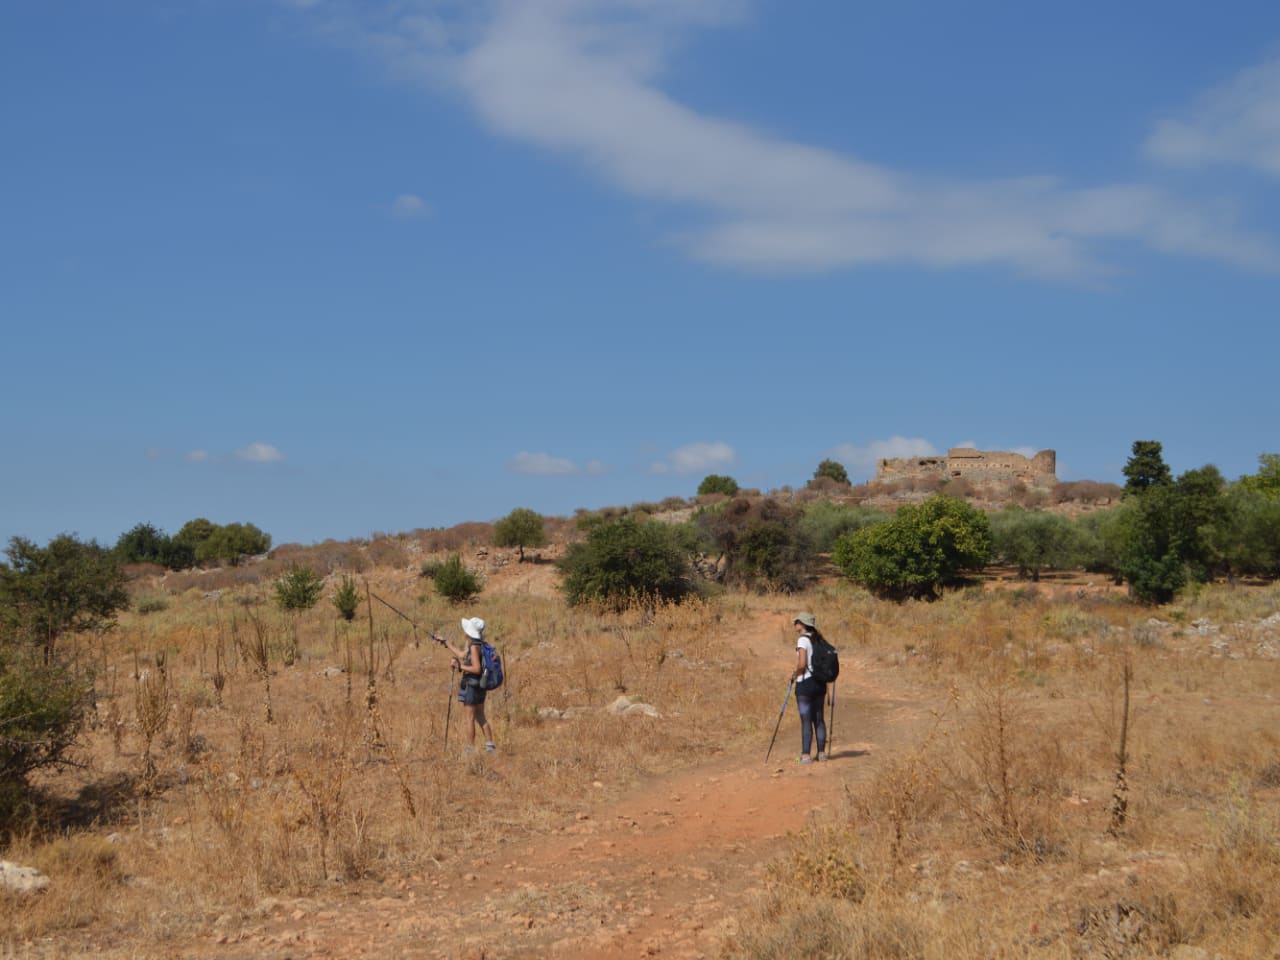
(521, 528)
(64, 587)
(1033, 540)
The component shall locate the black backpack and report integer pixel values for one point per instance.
(824, 663)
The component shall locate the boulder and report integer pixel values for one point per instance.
(21, 880)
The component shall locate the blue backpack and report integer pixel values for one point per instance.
(491, 675)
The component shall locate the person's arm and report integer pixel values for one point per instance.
(458, 654)
(802, 663)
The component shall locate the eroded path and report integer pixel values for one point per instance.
(660, 872)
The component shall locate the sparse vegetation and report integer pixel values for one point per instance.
(969, 811)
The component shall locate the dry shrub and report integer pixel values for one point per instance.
(1137, 926)
(144, 571)
(463, 536)
(1006, 773)
(388, 552)
(1086, 491)
(823, 862)
(833, 930)
(1240, 875)
(327, 557)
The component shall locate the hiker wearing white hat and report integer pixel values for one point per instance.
(470, 691)
(810, 691)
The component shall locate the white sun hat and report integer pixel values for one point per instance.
(473, 627)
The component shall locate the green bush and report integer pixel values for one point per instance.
(455, 582)
(232, 543)
(823, 522)
(144, 543)
(151, 604)
(299, 589)
(41, 707)
(832, 470)
(715, 483)
(627, 560)
(346, 599)
(762, 543)
(917, 552)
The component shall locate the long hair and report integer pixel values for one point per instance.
(814, 634)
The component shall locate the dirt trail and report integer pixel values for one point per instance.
(658, 873)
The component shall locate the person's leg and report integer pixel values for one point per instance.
(484, 726)
(820, 723)
(805, 706)
(470, 710)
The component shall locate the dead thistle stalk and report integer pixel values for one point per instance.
(151, 706)
(256, 650)
(1120, 795)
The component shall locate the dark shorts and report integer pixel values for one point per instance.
(471, 694)
(811, 689)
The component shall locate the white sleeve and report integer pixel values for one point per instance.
(805, 644)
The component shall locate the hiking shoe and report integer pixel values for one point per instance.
(822, 757)
(804, 758)
(490, 747)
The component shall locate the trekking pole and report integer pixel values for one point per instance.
(412, 623)
(831, 724)
(448, 710)
(785, 701)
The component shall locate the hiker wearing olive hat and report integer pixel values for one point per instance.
(810, 691)
(470, 691)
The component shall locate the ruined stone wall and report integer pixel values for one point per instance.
(976, 466)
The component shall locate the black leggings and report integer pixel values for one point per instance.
(811, 701)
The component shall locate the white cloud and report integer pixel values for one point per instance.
(967, 445)
(595, 468)
(862, 460)
(197, 456)
(695, 458)
(1235, 123)
(259, 453)
(408, 206)
(1027, 452)
(542, 464)
(581, 77)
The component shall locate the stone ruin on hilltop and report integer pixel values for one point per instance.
(979, 467)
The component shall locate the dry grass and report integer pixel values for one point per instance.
(239, 770)
(988, 838)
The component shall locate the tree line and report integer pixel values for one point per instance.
(1165, 533)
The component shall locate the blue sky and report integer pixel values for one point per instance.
(337, 267)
